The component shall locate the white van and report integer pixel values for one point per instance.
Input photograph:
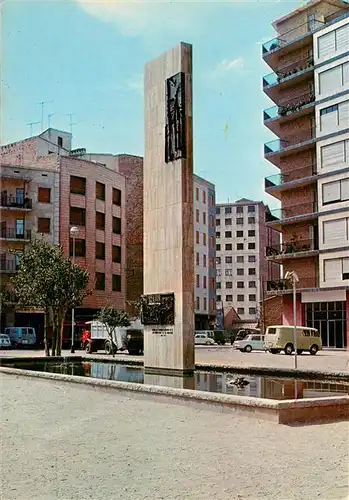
(280, 338)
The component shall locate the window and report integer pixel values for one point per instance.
(205, 304)
(251, 220)
(116, 197)
(241, 298)
(252, 297)
(77, 185)
(218, 234)
(228, 234)
(219, 297)
(335, 192)
(100, 191)
(212, 263)
(252, 310)
(204, 218)
(116, 283)
(229, 246)
(211, 200)
(227, 210)
(197, 303)
(239, 234)
(252, 258)
(252, 271)
(100, 250)
(241, 310)
(229, 298)
(240, 259)
(197, 237)
(251, 233)
(197, 194)
(44, 225)
(229, 272)
(204, 239)
(100, 281)
(239, 210)
(252, 284)
(251, 209)
(333, 79)
(211, 221)
(218, 260)
(227, 222)
(239, 221)
(229, 284)
(116, 254)
(329, 118)
(212, 241)
(251, 246)
(240, 284)
(218, 247)
(44, 195)
(240, 271)
(197, 259)
(335, 231)
(205, 281)
(218, 222)
(334, 155)
(335, 41)
(60, 141)
(116, 225)
(197, 218)
(100, 221)
(212, 283)
(239, 246)
(229, 260)
(77, 216)
(204, 197)
(218, 285)
(198, 281)
(204, 260)
(80, 247)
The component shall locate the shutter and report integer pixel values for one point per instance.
(346, 153)
(330, 80)
(329, 122)
(345, 189)
(342, 38)
(326, 45)
(334, 231)
(343, 110)
(345, 264)
(333, 154)
(345, 69)
(332, 270)
(331, 192)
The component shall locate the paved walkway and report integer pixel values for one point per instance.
(323, 361)
(68, 442)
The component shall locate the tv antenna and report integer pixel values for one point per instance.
(71, 121)
(42, 104)
(30, 124)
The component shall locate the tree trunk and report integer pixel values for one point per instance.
(60, 319)
(46, 327)
(54, 334)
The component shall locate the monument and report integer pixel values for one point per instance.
(168, 300)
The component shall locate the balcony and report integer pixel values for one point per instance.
(12, 235)
(282, 286)
(292, 249)
(8, 265)
(289, 74)
(303, 176)
(275, 150)
(288, 110)
(15, 203)
(302, 212)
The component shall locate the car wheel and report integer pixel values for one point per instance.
(88, 348)
(314, 349)
(208, 343)
(108, 348)
(248, 348)
(289, 349)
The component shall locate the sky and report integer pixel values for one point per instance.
(87, 58)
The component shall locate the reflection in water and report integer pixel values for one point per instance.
(257, 386)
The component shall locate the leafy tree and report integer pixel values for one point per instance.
(112, 319)
(47, 280)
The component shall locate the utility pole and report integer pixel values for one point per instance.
(30, 124)
(42, 103)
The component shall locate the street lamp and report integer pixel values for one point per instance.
(293, 278)
(73, 232)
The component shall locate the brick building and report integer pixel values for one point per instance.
(310, 87)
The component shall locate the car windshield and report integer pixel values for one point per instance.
(3, 336)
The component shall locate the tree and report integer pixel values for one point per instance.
(113, 318)
(47, 280)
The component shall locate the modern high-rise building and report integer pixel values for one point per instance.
(309, 85)
(242, 267)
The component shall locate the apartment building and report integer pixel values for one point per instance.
(55, 190)
(310, 87)
(204, 253)
(242, 267)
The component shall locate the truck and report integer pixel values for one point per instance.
(95, 337)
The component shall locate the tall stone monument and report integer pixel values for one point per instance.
(168, 301)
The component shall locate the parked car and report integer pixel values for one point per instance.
(250, 343)
(5, 342)
(280, 338)
(203, 339)
(21, 336)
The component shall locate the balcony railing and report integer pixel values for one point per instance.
(291, 247)
(13, 234)
(282, 285)
(278, 180)
(279, 145)
(288, 70)
(16, 202)
(289, 107)
(8, 265)
(292, 211)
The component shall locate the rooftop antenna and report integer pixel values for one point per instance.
(49, 119)
(42, 104)
(30, 124)
(71, 121)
